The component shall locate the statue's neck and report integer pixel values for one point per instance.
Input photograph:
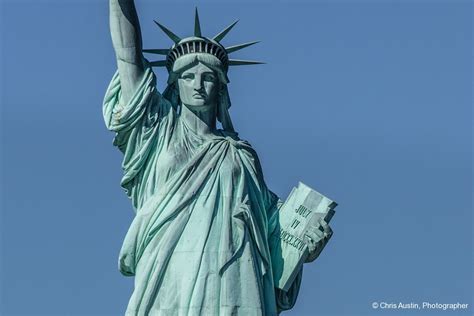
(201, 122)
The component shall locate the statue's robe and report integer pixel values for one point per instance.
(198, 244)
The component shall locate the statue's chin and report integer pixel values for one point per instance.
(199, 106)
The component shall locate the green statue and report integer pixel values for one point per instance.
(201, 240)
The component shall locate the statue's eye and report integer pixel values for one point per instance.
(187, 77)
(209, 77)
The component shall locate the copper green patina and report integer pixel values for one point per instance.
(203, 238)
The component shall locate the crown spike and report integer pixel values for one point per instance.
(197, 25)
(160, 51)
(224, 32)
(240, 62)
(234, 48)
(175, 38)
(158, 63)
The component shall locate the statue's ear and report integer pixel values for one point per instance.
(172, 77)
(221, 88)
(176, 99)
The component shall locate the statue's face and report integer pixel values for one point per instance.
(198, 87)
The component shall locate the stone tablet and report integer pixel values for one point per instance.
(302, 210)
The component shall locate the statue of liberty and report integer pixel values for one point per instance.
(199, 243)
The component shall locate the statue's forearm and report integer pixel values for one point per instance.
(127, 41)
(125, 30)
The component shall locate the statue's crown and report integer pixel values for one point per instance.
(199, 44)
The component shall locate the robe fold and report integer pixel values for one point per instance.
(198, 244)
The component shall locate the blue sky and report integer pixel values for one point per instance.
(367, 102)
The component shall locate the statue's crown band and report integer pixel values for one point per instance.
(199, 44)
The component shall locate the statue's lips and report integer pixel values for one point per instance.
(199, 96)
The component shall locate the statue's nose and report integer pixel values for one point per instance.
(198, 84)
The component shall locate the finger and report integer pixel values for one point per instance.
(329, 231)
(323, 223)
(310, 243)
(315, 233)
(310, 240)
(326, 228)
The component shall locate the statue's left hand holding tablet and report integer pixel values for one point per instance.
(316, 238)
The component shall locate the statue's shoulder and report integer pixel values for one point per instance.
(243, 152)
(241, 146)
(234, 139)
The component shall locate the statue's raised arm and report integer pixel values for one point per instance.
(127, 41)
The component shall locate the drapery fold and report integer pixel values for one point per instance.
(199, 241)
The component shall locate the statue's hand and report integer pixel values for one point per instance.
(316, 238)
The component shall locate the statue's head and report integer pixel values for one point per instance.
(199, 80)
(197, 68)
